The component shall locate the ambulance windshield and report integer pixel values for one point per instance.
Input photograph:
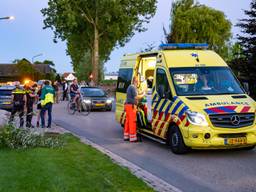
(205, 81)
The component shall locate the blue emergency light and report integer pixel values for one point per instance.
(183, 46)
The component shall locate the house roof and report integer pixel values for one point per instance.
(66, 74)
(43, 68)
(12, 70)
(70, 77)
(8, 70)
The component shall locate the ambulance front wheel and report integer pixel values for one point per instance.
(176, 141)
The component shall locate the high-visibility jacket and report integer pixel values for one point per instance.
(30, 100)
(47, 95)
(18, 97)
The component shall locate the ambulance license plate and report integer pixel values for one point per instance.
(235, 141)
(99, 104)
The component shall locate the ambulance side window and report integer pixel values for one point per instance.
(162, 84)
(124, 79)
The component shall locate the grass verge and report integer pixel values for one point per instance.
(75, 167)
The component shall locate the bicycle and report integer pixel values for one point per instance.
(80, 106)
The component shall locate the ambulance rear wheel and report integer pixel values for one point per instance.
(176, 141)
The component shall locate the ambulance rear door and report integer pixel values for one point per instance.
(125, 75)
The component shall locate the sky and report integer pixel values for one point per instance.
(24, 37)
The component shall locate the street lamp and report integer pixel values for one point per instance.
(7, 18)
(36, 56)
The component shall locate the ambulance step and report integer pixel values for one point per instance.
(153, 138)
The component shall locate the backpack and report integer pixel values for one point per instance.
(141, 121)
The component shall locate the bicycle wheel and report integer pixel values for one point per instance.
(85, 109)
(71, 108)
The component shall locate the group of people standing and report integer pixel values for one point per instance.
(24, 98)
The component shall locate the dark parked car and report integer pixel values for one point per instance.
(97, 98)
(6, 97)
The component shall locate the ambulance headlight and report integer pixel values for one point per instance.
(196, 118)
(87, 101)
(108, 101)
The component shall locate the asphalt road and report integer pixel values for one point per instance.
(197, 171)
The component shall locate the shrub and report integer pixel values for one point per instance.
(18, 138)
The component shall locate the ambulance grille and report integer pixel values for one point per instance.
(233, 120)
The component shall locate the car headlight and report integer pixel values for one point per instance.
(196, 118)
(108, 101)
(87, 101)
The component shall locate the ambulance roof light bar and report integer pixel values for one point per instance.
(171, 46)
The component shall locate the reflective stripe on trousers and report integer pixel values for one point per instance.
(130, 129)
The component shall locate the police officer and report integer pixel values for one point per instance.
(130, 129)
(30, 95)
(18, 102)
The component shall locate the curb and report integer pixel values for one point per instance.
(153, 181)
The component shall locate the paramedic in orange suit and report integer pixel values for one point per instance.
(130, 129)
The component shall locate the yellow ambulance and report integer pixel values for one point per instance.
(193, 99)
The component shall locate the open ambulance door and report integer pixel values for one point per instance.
(145, 70)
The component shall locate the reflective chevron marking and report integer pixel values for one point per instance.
(245, 109)
(163, 112)
(227, 109)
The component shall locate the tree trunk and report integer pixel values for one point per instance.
(96, 55)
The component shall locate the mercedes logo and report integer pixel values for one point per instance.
(235, 120)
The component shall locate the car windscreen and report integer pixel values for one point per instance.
(92, 92)
(205, 81)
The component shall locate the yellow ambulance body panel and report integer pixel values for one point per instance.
(194, 100)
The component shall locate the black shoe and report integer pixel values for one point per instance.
(126, 139)
(37, 124)
(49, 127)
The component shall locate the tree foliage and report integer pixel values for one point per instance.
(95, 27)
(26, 68)
(248, 39)
(237, 60)
(48, 62)
(84, 68)
(195, 23)
(248, 44)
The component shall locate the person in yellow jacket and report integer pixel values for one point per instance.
(47, 99)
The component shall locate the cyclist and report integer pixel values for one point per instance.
(74, 92)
